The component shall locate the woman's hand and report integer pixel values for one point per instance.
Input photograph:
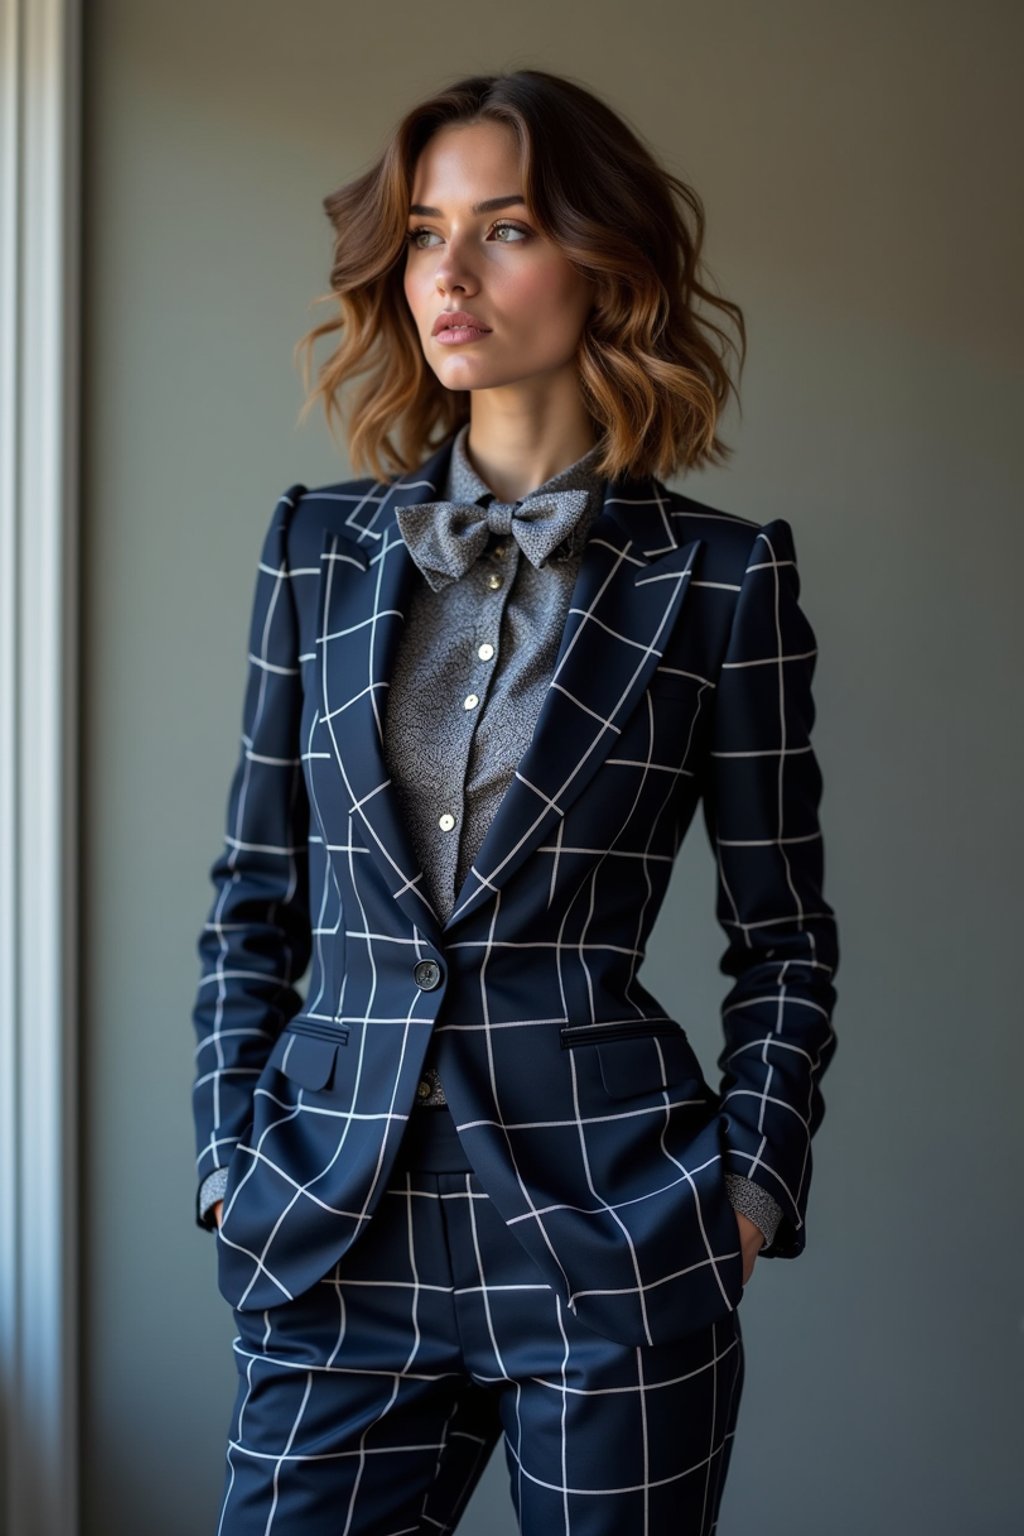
(751, 1240)
(217, 1207)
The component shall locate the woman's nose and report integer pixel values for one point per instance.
(453, 271)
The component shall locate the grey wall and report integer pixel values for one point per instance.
(860, 168)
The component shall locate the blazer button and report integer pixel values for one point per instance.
(427, 974)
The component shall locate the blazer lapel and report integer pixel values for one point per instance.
(629, 589)
(363, 596)
(628, 594)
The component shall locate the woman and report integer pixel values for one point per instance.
(475, 1179)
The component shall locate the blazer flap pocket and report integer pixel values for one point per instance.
(304, 1058)
(646, 1063)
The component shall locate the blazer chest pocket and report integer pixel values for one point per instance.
(307, 1053)
(670, 717)
(678, 685)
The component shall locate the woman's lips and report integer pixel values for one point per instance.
(459, 333)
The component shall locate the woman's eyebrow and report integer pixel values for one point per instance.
(486, 207)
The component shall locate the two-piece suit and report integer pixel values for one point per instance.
(684, 671)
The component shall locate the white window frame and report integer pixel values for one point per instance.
(40, 218)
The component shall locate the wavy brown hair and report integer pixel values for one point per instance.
(652, 369)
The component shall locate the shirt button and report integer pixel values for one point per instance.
(493, 580)
(423, 1088)
(470, 701)
(499, 550)
(485, 651)
(446, 822)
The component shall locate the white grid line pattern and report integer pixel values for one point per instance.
(578, 1100)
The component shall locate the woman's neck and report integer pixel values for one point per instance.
(514, 468)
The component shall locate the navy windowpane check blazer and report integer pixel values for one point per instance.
(683, 677)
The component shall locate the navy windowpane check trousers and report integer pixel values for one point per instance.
(369, 1404)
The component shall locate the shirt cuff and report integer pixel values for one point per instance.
(751, 1200)
(210, 1191)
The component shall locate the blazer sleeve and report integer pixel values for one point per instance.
(761, 799)
(256, 941)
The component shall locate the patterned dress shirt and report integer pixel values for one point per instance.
(472, 667)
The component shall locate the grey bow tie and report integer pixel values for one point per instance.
(445, 537)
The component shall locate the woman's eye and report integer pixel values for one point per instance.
(516, 229)
(412, 235)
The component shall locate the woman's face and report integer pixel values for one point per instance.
(494, 264)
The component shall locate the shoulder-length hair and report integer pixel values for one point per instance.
(651, 368)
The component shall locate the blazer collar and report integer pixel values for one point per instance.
(639, 507)
(630, 587)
